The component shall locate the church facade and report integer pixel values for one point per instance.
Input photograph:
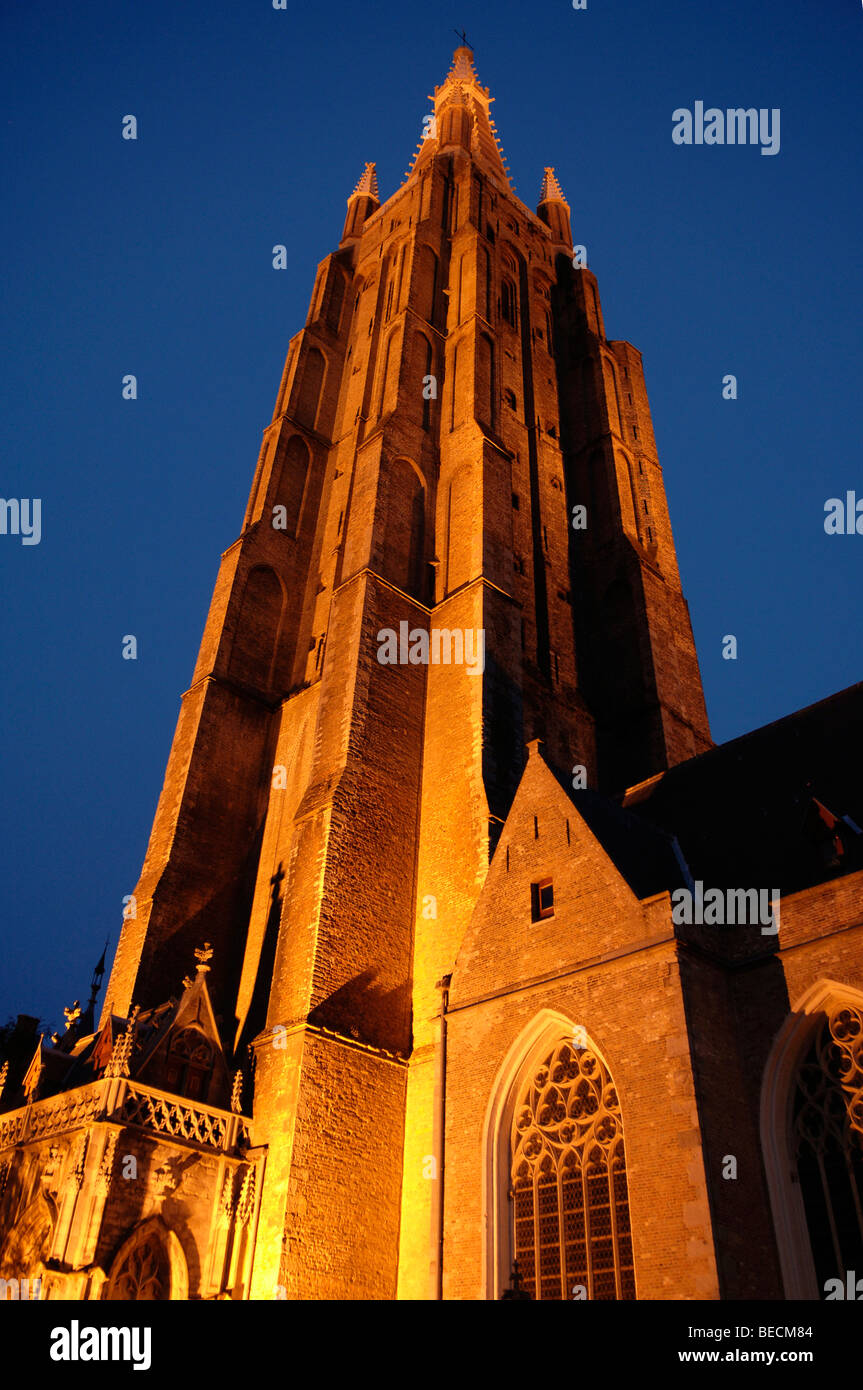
(506, 980)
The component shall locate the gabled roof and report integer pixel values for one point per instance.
(602, 861)
(747, 812)
(193, 1009)
(644, 854)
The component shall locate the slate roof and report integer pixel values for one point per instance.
(781, 807)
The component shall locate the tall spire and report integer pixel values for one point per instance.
(461, 118)
(86, 1023)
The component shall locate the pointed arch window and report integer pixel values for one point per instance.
(145, 1272)
(189, 1064)
(827, 1142)
(150, 1266)
(569, 1197)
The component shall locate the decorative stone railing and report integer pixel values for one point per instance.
(118, 1100)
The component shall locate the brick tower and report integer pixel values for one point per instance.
(457, 456)
(327, 819)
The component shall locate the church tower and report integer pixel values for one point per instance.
(502, 971)
(457, 541)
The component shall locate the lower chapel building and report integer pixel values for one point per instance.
(407, 1003)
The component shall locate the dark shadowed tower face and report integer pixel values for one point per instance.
(327, 816)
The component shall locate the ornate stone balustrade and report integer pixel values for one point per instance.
(121, 1101)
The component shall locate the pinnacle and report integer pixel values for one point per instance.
(368, 182)
(462, 75)
(462, 65)
(551, 191)
(462, 87)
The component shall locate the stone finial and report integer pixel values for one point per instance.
(246, 1199)
(551, 191)
(106, 1163)
(237, 1093)
(118, 1062)
(203, 955)
(227, 1198)
(72, 1014)
(4, 1073)
(78, 1160)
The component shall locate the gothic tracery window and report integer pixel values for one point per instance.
(190, 1061)
(144, 1273)
(827, 1142)
(568, 1176)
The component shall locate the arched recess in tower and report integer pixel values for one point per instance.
(603, 513)
(485, 383)
(426, 279)
(308, 394)
(335, 298)
(389, 381)
(613, 396)
(421, 369)
(404, 495)
(292, 472)
(259, 625)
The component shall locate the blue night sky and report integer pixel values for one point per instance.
(154, 258)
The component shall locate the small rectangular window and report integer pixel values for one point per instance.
(542, 899)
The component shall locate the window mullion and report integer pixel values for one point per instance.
(612, 1211)
(825, 1187)
(588, 1253)
(561, 1234)
(855, 1191)
(537, 1270)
